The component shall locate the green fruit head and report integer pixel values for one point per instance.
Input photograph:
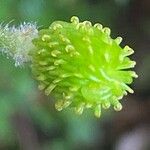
(81, 66)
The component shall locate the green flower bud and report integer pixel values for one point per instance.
(81, 66)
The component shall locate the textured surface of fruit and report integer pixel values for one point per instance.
(81, 66)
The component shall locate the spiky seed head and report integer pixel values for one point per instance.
(82, 66)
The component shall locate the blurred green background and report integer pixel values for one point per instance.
(28, 120)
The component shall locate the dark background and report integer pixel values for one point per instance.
(28, 120)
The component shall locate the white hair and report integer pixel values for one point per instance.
(16, 42)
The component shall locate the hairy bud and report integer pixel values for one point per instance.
(16, 42)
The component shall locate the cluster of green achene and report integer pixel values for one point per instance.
(81, 66)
